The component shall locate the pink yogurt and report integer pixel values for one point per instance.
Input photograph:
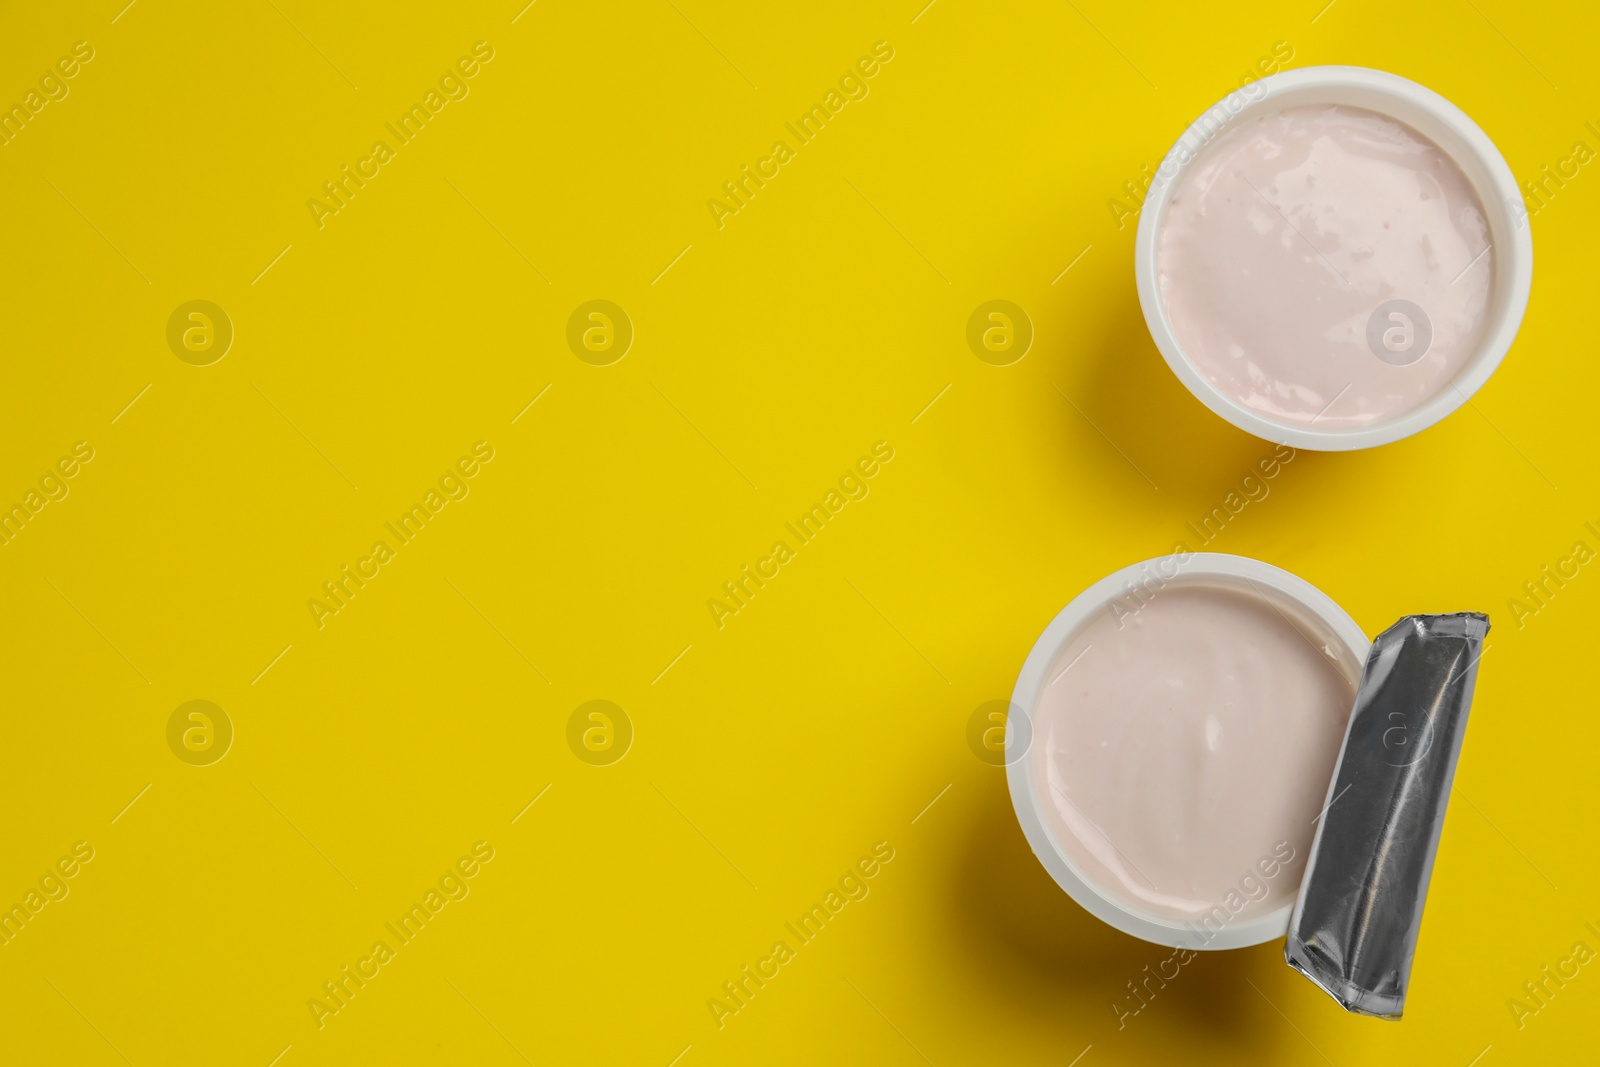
(1184, 748)
(1326, 265)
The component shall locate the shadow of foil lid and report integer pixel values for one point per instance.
(1354, 927)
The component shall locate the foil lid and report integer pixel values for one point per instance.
(1354, 927)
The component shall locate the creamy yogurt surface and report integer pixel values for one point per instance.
(1326, 266)
(1183, 749)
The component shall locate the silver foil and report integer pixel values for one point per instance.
(1354, 927)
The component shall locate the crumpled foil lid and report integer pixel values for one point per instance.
(1354, 927)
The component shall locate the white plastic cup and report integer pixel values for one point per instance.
(1305, 606)
(1430, 115)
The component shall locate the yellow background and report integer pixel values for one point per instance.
(828, 713)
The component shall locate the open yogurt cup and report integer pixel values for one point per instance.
(1265, 292)
(1171, 739)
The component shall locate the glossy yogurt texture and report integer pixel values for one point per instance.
(1184, 748)
(1292, 233)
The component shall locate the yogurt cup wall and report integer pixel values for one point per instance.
(1305, 607)
(1430, 115)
